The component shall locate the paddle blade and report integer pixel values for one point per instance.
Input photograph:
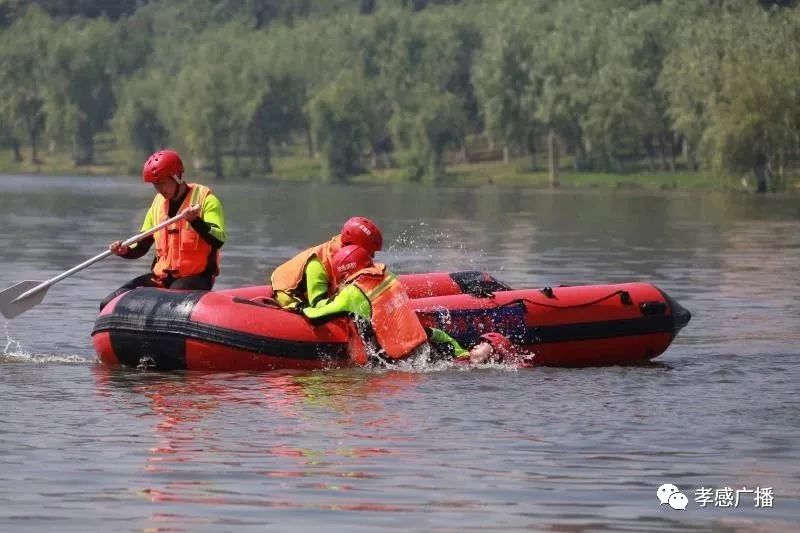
(10, 308)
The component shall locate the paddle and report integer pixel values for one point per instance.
(26, 294)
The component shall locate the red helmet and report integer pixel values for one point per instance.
(349, 260)
(501, 345)
(363, 232)
(507, 352)
(163, 164)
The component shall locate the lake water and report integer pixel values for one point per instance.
(87, 448)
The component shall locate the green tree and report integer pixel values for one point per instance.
(64, 9)
(756, 112)
(208, 99)
(24, 77)
(462, 35)
(80, 98)
(337, 116)
(315, 53)
(731, 81)
(277, 96)
(434, 125)
(567, 61)
(507, 81)
(619, 111)
(691, 78)
(138, 124)
(417, 72)
(651, 29)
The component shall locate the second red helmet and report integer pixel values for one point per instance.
(163, 164)
(349, 260)
(363, 232)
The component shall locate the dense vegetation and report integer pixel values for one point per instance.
(408, 84)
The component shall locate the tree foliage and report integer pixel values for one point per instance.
(24, 78)
(368, 83)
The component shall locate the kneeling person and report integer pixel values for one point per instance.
(371, 292)
(307, 278)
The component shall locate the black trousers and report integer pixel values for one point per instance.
(200, 282)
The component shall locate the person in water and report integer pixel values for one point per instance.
(371, 293)
(307, 279)
(496, 348)
(187, 252)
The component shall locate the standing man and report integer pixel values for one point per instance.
(187, 252)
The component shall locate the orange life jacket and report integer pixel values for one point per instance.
(180, 250)
(287, 277)
(396, 326)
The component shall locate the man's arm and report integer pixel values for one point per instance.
(138, 249)
(316, 282)
(350, 301)
(438, 336)
(211, 227)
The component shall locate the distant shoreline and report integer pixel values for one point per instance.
(465, 174)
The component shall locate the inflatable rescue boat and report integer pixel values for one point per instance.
(240, 329)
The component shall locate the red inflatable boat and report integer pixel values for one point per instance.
(588, 325)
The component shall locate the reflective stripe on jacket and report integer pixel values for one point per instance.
(180, 251)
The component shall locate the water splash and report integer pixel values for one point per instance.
(14, 352)
(10, 342)
(425, 361)
(43, 359)
(418, 246)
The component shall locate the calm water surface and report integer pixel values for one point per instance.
(86, 448)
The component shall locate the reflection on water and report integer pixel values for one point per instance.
(195, 419)
(94, 449)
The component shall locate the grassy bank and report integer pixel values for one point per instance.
(514, 173)
(59, 164)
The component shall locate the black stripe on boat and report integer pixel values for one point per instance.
(153, 323)
(599, 330)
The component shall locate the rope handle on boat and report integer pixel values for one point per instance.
(624, 296)
(259, 301)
